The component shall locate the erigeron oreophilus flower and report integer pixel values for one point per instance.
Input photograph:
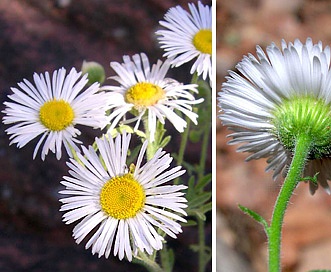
(51, 108)
(145, 92)
(188, 36)
(120, 207)
(276, 96)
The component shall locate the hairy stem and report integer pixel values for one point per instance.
(274, 232)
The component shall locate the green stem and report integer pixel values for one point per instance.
(204, 151)
(147, 262)
(185, 134)
(167, 258)
(201, 229)
(151, 147)
(301, 151)
(74, 155)
(183, 142)
(201, 172)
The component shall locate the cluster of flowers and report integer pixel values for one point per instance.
(122, 205)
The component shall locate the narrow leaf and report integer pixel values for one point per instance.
(255, 216)
(203, 182)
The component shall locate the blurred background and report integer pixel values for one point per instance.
(39, 36)
(241, 25)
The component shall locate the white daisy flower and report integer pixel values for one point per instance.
(146, 91)
(120, 208)
(278, 95)
(52, 108)
(188, 36)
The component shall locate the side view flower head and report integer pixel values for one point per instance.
(145, 92)
(275, 97)
(121, 206)
(188, 35)
(51, 108)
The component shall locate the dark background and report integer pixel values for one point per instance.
(39, 36)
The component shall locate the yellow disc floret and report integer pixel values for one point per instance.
(56, 115)
(122, 197)
(144, 94)
(202, 41)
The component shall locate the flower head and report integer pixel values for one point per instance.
(276, 97)
(188, 36)
(51, 109)
(146, 93)
(122, 205)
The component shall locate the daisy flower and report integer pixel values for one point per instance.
(275, 97)
(146, 91)
(121, 207)
(51, 109)
(188, 35)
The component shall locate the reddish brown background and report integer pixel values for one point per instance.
(241, 24)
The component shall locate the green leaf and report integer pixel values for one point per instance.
(194, 247)
(256, 217)
(203, 87)
(165, 141)
(207, 252)
(311, 179)
(190, 188)
(189, 223)
(133, 154)
(203, 182)
(200, 215)
(199, 200)
(206, 208)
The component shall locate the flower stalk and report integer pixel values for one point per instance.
(302, 148)
(185, 134)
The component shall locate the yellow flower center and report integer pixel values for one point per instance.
(144, 94)
(122, 197)
(202, 41)
(56, 115)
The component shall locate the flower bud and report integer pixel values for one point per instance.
(95, 71)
